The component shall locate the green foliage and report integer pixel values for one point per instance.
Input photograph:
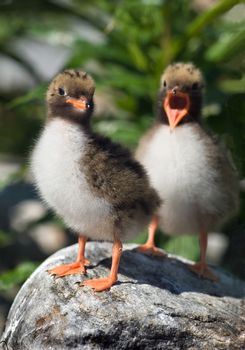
(18, 275)
(186, 246)
(5, 239)
(231, 44)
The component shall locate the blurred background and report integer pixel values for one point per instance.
(125, 45)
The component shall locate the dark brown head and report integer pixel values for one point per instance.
(70, 96)
(180, 97)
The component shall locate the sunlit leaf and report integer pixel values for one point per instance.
(208, 16)
(233, 86)
(229, 45)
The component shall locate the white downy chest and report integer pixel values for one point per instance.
(56, 163)
(177, 164)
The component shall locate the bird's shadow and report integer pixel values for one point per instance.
(172, 274)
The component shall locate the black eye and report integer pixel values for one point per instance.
(61, 92)
(164, 83)
(194, 86)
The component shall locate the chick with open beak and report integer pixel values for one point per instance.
(180, 97)
(192, 173)
(176, 105)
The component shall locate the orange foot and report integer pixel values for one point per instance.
(151, 250)
(203, 271)
(99, 285)
(70, 269)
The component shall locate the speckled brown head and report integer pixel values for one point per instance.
(180, 97)
(70, 96)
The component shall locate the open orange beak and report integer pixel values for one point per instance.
(176, 105)
(80, 103)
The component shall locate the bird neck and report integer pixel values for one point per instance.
(73, 117)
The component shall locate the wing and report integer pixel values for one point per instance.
(115, 175)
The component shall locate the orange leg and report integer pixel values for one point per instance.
(78, 266)
(149, 247)
(101, 284)
(201, 268)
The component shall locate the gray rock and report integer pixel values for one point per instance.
(157, 304)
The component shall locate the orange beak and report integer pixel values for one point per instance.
(80, 103)
(176, 105)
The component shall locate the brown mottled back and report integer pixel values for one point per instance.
(113, 174)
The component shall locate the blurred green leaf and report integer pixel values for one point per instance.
(233, 86)
(37, 93)
(186, 246)
(5, 239)
(18, 275)
(138, 56)
(201, 23)
(208, 16)
(229, 45)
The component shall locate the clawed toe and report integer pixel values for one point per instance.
(68, 269)
(99, 285)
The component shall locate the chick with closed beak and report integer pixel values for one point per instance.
(96, 186)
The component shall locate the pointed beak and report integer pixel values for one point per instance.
(80, 103)
(176, 105)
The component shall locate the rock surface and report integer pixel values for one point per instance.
(157, 304)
